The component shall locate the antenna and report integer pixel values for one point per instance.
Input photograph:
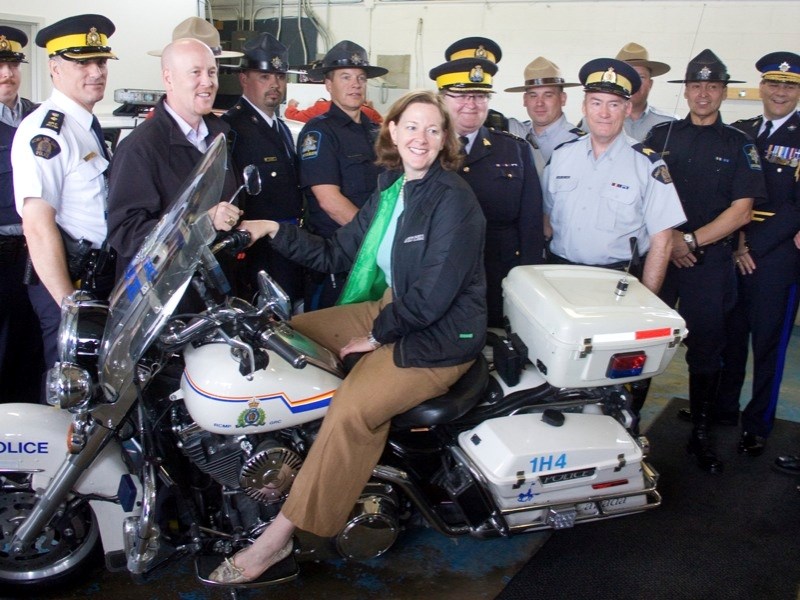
(622, 284)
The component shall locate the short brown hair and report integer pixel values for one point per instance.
(386, 150)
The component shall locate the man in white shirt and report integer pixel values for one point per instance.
(60, 161)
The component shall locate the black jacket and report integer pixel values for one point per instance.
(438, 314)
(8, 211)
(148, 170)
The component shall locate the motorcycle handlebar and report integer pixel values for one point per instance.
(233, 241)
(272, 341)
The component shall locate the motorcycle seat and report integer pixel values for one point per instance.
(457, 401)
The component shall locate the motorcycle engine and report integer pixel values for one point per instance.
(269, 473)
(265, 474)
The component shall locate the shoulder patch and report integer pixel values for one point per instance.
(53, 120)
(661, 173)
(753, 161)
(647, 151)
(45, 147)
(309, 147)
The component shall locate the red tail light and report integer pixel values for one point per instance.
(626, 364)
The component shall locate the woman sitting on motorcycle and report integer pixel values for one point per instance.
(414, 303)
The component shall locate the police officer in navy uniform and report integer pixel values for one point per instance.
(260, 138)
(499, 166)
(60, 162)
(717, 172)
(337, 157)
(21, 360)
(767, 259)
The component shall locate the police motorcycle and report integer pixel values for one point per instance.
(179, 435)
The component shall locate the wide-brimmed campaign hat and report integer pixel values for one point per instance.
(706, 66)
(783, 67)
(81, 37)
(200, 29)
(610, 76)
(541, 73)
(636, 55)
(346, 55)
(265, 53)
(12, 41)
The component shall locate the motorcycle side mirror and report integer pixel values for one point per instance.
(252, 180)
(273, 298)
(252, 183)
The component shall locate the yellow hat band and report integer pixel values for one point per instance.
(602, 77)
(10, 46)
(461, 78)
(780, 76)
(77, 40)
(473, 53)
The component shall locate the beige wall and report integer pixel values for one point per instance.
(138, 30)
(570, 33)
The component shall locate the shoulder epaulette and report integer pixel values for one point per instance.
(508, 134)
(577, 131)
(53, 120)
(648, 152)
(662, 125)
(572, 141)
(743, 121)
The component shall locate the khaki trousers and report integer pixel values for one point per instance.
(354, 431)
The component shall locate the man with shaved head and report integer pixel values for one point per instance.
(150, 164)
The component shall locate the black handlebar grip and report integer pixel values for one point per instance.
(272, 341)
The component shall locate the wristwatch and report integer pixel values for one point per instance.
(690, 240)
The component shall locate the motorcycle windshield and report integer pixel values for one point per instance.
(158, 275)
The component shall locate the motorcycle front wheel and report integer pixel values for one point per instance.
(62, 550)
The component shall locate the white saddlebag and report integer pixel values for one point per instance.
(573, 323)
(587, 468)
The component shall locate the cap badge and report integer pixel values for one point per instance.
(356, 59)
(705, 73)
(480, 52)
(476, 74)
(93, 38)
(609, 76)
(276, 62)
(784, 66)
(4, 45)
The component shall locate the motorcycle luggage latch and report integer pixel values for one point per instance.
(585, 348)
(676, 338)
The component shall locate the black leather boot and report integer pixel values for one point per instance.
(702, 390)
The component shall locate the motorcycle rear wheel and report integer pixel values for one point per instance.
(60, 552)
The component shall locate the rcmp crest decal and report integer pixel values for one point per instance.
(661, 173)
(254, 416)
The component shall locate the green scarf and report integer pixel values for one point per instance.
(366, 280)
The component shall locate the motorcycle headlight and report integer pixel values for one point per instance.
(83, 320)
(69, 386)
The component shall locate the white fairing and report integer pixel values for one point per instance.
(33, 439)
(221, 400)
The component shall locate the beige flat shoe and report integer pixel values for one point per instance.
(228, 573)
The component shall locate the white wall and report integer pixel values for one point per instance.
(570, 33)
(141, 26)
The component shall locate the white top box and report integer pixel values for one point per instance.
(574, 322)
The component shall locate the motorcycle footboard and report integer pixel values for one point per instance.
(281, 572)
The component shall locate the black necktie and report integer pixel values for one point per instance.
(98, 133)
(762, 137)
(464, 140)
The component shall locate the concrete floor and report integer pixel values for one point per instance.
(423, 563)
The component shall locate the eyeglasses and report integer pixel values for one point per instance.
(478, 99)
